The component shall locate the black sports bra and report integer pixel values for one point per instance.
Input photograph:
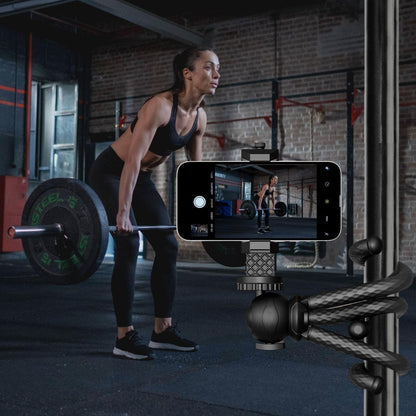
(268, 192)
(166, 139)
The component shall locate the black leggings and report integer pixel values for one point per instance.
(259, 212)
(147, 208)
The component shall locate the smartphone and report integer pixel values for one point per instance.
(279, 201)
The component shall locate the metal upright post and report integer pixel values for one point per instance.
(382, 185)
(275, 116)
(350, 170)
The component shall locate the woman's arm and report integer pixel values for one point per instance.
(194, 147)
(261, 195)
(151, 116)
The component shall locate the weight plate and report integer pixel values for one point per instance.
(227, 253)
(78, 208)
(249, 209)
(280, 209)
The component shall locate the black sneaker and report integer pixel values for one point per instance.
(170, 339)
(261, 231)
(267, 230)
(131, 346)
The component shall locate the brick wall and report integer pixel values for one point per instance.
(252, 51)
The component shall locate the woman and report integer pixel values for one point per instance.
(121, 176)
(267, 190)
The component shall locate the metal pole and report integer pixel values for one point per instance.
(302, 199)
(275, 115)
(350, 170)
(287, 199)
(382, 185)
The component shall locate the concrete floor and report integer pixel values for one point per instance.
(282, 228)
(56, 343)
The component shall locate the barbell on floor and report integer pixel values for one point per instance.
(65, 230)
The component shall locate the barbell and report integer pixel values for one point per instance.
(65, 230)
(249, 209)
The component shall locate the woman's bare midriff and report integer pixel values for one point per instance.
(150, 160)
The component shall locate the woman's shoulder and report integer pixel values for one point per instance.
(202, 117)
(160, 103)
(202, 112)
(164, 98)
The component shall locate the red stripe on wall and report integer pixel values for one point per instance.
(4, 88)
(12, 104)
(224, 181)
(28, 103)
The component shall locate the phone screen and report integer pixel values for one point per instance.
(281, 201)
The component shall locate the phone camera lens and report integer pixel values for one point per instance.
(327, 167)
(327, 184)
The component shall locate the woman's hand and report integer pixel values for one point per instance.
(123, 223)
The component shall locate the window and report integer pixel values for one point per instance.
(53, 130)
(246, 190)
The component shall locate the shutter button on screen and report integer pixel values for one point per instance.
(199, 201)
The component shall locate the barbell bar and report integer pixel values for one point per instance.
(28, 231)
(21, 231)
(249, 209)
(65, 230)
(261, 209)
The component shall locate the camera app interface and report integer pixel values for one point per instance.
(263, 201)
